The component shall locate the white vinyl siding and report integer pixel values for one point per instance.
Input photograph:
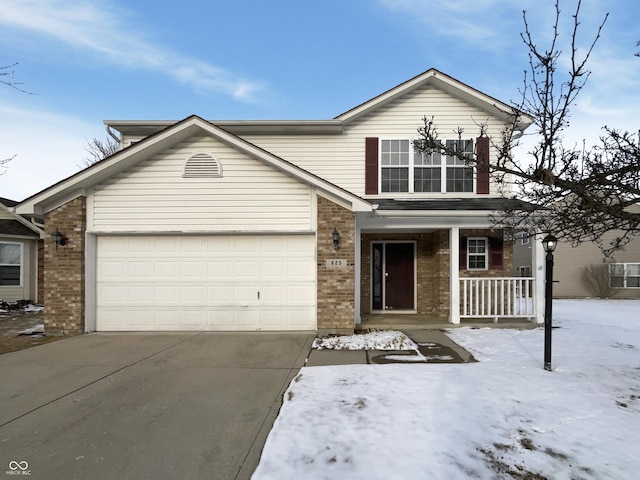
(215, 282)
(340, 158)
(154, 196)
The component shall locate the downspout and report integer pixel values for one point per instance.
(113, 135)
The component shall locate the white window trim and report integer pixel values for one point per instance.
(625, 275)
(412, 166)
(525, 238)
(485, 254)
(21, 245)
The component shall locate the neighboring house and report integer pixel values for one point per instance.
(285, 225)
(570, 264)
(20, 256)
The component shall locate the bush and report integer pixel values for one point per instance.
(596, 278)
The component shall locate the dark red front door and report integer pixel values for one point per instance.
(399, 276)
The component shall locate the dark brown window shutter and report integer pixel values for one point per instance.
(371, 166)
(482, 165)
(495, 253)
(463, 253)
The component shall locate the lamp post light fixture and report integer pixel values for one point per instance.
(549, 244)
(58, 238)
(336, 239)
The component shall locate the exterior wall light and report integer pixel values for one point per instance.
(58, 238)
(336, 239)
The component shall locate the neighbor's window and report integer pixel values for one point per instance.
(477, 253)
(524, 271)
(403, 168)
(624, 275)
(10, 263)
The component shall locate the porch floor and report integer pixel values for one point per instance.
(390, 321)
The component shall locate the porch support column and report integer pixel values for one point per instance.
(538, 262)
(454, 275)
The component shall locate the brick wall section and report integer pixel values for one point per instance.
(40, 299)
(64, 270)
(336, 286)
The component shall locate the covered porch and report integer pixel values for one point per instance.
(435, 269)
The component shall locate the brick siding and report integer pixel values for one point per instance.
(64, 270)
(336, 285)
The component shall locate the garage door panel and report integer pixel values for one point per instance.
(206, 283)
(219, 270)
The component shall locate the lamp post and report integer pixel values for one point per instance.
(549, 244)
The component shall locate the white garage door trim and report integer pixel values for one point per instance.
(196, 283)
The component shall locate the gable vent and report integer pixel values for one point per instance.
(202, 165)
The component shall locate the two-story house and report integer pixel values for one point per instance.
(286, 225)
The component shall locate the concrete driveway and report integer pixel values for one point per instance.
(137, 406)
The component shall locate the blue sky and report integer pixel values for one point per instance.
(85, 61)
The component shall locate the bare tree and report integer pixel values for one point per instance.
(99, 150)
(578, 194)
(6, 75)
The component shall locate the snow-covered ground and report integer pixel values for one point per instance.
(504, 417)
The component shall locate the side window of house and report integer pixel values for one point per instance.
(406, 169)
(477, 253)
(624, 275)
(10, 263)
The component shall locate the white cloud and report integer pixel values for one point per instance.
(93, 26)
(473, 22)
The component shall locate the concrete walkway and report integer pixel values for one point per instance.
(434, 345)
(134, 406)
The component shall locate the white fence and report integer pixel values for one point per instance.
(498, 297)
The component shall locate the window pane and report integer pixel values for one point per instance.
(633, 269)
(427, 180)
(9, 275)
(617, 282)
(459, 179)
(395, 179)
(616, 269)
(464, 147)
(633, 282)
(9, 253)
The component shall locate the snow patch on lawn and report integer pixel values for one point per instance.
(503, 417)
(382, 340)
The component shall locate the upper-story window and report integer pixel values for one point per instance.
(406, 169)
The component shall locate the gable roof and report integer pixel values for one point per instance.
(77, 184)
(12, 224)
(444, 82)
(432, 77)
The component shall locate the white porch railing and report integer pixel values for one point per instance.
(497, 297)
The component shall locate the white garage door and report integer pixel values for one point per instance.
(265, 282)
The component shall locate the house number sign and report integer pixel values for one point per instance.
(336, 263)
